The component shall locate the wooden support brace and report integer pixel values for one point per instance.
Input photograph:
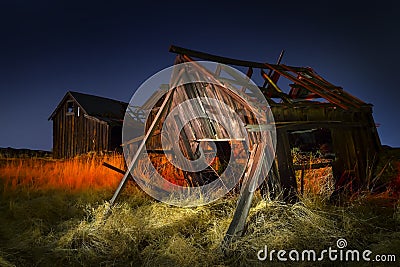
(132, 164)
(237, 226)
(105, 164)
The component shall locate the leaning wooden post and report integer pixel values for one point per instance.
(252, 174)
(142, 145)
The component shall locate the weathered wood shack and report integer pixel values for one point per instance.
(86, 123)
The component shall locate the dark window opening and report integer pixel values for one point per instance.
(70, 107)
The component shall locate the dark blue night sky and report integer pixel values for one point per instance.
(109, 48)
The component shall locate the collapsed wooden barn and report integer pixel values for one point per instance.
(344, 124)
(312, 115)
(86, 123)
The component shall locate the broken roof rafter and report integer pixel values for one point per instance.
(304, 77)
(322, 93)
(332, 91)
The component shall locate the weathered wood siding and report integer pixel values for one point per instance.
(77, 133)
(200, 128)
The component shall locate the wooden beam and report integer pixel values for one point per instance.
(224, 60)
(237, 225)
(105, 164)
(286, 172)
(284, 97)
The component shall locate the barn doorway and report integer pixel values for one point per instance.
(312, 154)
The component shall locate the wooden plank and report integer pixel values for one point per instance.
(224, 60)
(68, 143)
(285, 167)
(269, 80)
(87, 134)
(73, 134)
(63, 132)
(237, 225)
(339, 165)
(78, 136)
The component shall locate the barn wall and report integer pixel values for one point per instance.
(74, 135)
(354, 137)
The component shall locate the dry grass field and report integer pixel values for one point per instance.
(53, 213)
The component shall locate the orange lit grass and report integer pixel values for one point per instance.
(317, 181)
(75, 174)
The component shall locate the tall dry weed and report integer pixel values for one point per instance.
(79, 173)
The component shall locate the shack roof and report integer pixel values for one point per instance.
(105, 109)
